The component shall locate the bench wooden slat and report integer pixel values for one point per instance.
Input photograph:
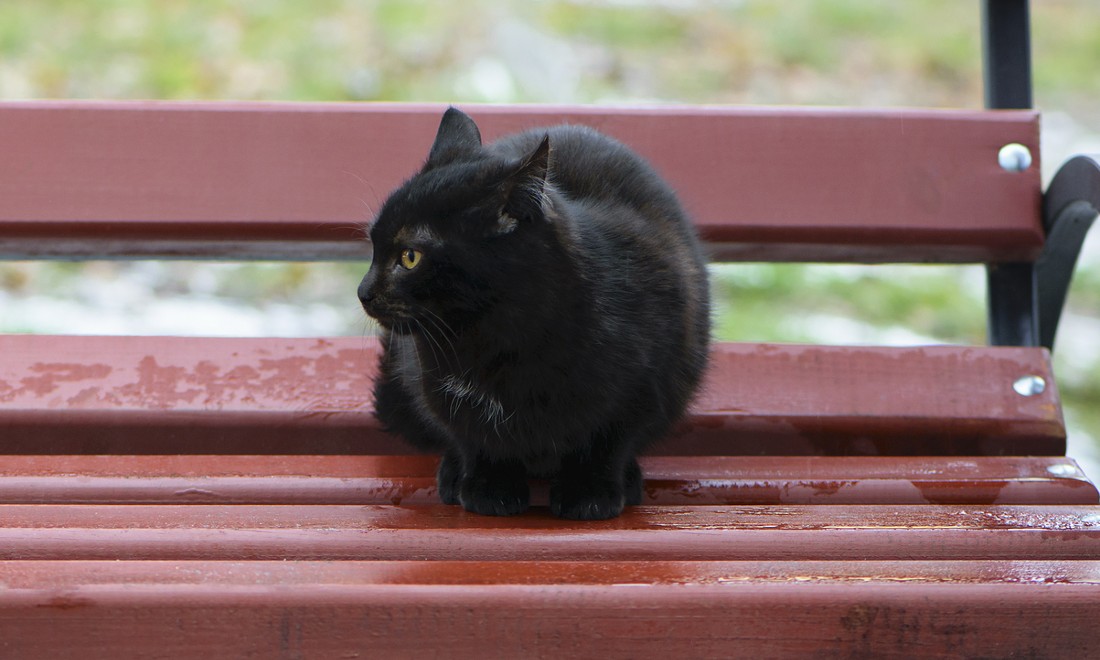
(413, 609)
(298, 181)
(410, 480)
(384, 532)
(157, 395)
(48, 575)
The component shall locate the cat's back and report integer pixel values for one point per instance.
(628, 226)
(590, 167)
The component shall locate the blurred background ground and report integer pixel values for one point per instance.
(549, 51)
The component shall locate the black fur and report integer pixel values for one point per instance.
(555, 324)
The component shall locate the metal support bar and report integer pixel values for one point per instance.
(1070, 207)
(1006, 54)
(1013, 304)
(1006, 58)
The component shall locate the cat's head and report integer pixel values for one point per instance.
(450, 241)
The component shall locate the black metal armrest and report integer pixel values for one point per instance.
(1070, 206)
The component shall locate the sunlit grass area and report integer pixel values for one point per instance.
(839, 52)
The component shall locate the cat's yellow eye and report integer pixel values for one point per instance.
(410, 258)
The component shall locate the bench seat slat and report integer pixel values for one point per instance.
(298, 181)
(414, 609)
(410, 480)
(156, 395)
(384, 532)
(53, 575)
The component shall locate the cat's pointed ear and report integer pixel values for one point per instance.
(525, 191)
(457, 138)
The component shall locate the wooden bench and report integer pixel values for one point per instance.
(234, 497)
(237, 495)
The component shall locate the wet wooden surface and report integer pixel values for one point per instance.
(156, 395)
(90, 574)
(298, 181)
(439, 532)
(410, 480)
(558, 609)
(763, 608)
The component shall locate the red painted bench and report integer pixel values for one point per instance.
(234, 497)
(162, 494)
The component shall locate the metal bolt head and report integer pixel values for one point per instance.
(1014, 157)
(1029, 385)
(1061, 470)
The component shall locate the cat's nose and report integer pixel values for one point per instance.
(366, 291)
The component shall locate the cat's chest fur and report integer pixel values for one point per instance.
(504, 403)
(455, 393)
(455, 396)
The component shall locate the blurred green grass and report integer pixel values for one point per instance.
(849, 52)
(841, 52)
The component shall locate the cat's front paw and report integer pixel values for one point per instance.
(496, 493)
(449, 478)
(495, 501)
(598, 501)
(632, 483)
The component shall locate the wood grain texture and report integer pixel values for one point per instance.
(157, 395)
(620, 610)
(410, 480)
(439, 532)
(299, 181)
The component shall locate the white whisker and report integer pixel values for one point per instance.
(439, 341)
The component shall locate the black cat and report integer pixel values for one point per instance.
(545, 313)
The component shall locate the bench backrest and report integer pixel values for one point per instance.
(299, 181)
